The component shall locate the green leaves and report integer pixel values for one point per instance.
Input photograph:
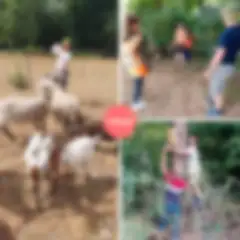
(219, 145)
(41, 22)
(158, 22)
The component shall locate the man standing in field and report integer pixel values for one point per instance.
(222, 65)
(61, 67)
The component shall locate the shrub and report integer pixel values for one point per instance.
(32, 50)
(19, 80)
(204, 22)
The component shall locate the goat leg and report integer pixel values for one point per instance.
(35, 176)
(40, 125)
(87, 175)
(6, 131)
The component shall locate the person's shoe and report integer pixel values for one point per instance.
(160, 222)
(213, 112)
(138, 106)
(142, 104)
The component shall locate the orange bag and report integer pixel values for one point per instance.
(142, 70)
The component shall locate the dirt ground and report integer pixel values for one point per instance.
(79, 212)
(174, 92)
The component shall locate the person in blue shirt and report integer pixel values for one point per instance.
(222, 65)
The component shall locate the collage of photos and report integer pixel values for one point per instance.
(119, 120)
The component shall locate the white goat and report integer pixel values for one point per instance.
(78, 152)
(38, 151)
(64, 106)
(16, 109)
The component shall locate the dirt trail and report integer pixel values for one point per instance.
(79, 211)
(174, 92)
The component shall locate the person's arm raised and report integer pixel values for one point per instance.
(163, 160)
(135, 42)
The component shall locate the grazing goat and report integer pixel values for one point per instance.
(80, 150)
(17, 109)
(64, 106)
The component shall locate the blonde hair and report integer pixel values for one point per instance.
(229, 15)
(171, 136)
(66, 41)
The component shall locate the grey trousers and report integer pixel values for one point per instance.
(219, 79)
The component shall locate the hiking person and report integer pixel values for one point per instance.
(61, 67)
(133, 61)
(182, 44)
(222, 65)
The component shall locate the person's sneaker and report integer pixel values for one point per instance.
(138, 106)
(160, 222)
(214, 112)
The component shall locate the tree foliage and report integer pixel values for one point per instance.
(90, 24)
(219, 145)
(158, 19)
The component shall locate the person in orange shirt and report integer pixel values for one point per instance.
(133, 61)
(182, 43)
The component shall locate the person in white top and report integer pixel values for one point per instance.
(61, 67)
(194, 169)
(194, 166)
(36, 157)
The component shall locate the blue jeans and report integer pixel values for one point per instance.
(172, 215)
(138, 89)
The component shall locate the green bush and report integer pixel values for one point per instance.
(205, 24)
(19, 80)
(219, 145)
(206, 27)
(30, 49)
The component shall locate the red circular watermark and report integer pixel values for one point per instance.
(120, 121)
